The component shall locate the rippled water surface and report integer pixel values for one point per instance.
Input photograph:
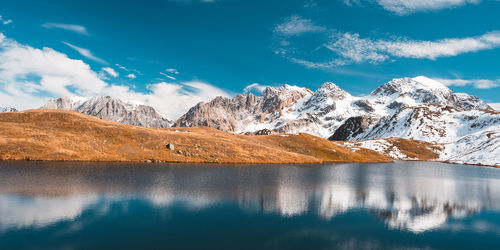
(404, 205)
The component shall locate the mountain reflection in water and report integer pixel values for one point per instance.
(414, 197)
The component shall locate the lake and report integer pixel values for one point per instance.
(402, 205)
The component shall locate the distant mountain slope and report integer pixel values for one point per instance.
(7, 109)
(113, 109)
(72, 136)
(467, 136)
(429, 122)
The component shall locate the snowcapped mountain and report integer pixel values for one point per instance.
(291, 109)
(429, 122)
(463, 128)
(111, 108)
(7, 109)
(464, 136)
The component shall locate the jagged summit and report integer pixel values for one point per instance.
(111, 108)
(406, 92)
(408, 85)
(329, 91)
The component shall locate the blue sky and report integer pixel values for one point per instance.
(172, 54)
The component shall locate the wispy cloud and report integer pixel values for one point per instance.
(69, 27)
(349, 48)
(110, 71)
(296, 25)
(30, 76)
(172, 71)
(254, 86)
(405, 7)
(131, 76)
(86, 53)
(168, 76)
(5, 21)
(352, 48)
(476, 83)
(137, 72)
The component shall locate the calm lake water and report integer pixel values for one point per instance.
(405, 205)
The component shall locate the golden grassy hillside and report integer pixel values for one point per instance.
(71, 136)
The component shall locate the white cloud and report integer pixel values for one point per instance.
(296, 25)
(131, 76)
(356, 49)
(254, 86)
(476, 83)
(405, 7)
(5, 21)
(121, 67)
(110, 71)
(351, 48)
(495, 106)
(30, 76)
(172, 71)
(137, 72)
(86, 53)
(69, 27)
(168, 76)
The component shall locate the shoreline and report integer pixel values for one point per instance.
(248, 163)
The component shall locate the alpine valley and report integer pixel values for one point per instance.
(405, 119)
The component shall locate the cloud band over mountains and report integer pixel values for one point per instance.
(29, 76)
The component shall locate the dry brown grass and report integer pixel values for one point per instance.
(420, 150)
(71, 136)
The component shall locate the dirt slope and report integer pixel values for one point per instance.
(71, 136)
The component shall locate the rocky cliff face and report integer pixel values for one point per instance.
(245, 113)
(352, 127)
(111, 108)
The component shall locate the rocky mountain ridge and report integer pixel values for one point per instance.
(291, 109)
(111, 108)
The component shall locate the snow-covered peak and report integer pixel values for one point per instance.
(327, 94)
(410, 86)
(430, 83)
(331, 90)
(285, 91)
(404, 92)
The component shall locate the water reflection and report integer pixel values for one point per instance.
(406, 196)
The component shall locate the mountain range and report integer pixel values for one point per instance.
(111, 108)
(459, 127)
